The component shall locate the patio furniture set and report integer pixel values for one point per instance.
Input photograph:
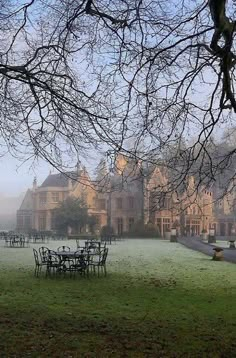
(91, 257)
(16, 240)
(20, 240)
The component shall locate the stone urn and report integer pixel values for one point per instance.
(218, 254)
(232, 244)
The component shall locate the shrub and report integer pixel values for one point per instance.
(106, 231)
(143, 230)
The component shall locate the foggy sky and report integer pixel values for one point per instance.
(16, 177)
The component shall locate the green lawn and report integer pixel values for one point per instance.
(158, 300)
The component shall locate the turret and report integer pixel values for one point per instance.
(35, 183)
(78, 166)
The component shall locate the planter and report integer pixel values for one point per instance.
(218, 254)
(204, 236)
(167, 235)
(232, 244)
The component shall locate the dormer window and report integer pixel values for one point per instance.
(55, 197)
(42, 198)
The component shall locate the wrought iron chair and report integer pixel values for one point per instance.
(22, 240)
(15, 241)
(54, 264)
(103, 246)
(7, 241)
(99, 261)
(80, 263)
(44, 252)
(93, 246)
(38, 263)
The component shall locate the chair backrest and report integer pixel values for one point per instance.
(36, 256)
(43, 252)
(104, 256)
(63, 248)
(53, 258)
(92, 245)
(90, 241)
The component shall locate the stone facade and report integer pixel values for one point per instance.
(189, 212)
(55, 189)
(225, 210)
(128, 196)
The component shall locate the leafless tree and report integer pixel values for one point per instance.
(85, 74)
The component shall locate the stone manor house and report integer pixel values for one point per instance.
(129, 195)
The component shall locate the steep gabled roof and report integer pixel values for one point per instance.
(158, 178)
(60, 180)
(27, 203)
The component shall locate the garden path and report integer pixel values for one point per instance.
(197, 244)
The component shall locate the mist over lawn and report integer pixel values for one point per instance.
(159, 299)
(142, 258)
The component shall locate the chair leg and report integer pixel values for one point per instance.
(47, 271)
(73, 273)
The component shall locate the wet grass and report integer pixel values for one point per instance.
(158, 300)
